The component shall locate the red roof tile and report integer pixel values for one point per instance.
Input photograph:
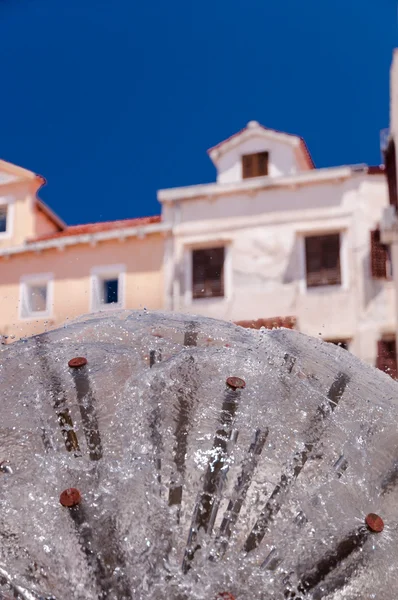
(272, 323)
(91, 228)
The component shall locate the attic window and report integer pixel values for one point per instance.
(255, 165)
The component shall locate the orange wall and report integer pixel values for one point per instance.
(71, 267)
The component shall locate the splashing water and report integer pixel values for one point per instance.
(141, 470)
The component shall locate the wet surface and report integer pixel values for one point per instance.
(151, 456)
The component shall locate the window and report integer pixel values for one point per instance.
(342, 343)
(255, 165)
(36, 296)
(107, 287)
(208, 272)
(322, 258)
(380, 257)
(387, 357)
(3, 218)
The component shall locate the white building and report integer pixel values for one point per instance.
(275, 237)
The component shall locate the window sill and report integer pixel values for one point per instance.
(209, 300)
(324, 289)
(107, 307)
(36, 316)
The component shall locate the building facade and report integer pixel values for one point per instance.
(276, 238)
(274, 241)
(51, 273)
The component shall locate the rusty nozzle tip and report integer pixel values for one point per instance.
(70, 497)
(78, 361)
(236, 383)
(374, 523)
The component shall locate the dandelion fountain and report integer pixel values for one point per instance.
(160, 456)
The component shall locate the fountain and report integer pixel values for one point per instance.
(161, 456)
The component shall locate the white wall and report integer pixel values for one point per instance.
(265, 268)
(282, 158)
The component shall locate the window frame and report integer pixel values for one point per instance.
(37, 279)
(344, 260)
(188, 279)
(8, 201)
(101, 273)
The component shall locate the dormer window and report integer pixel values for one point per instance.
(255, 165)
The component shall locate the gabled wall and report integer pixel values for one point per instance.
(282, 158)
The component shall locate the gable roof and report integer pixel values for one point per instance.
(251, 129)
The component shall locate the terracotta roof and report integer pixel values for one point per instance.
(303, 144)
(272, 323)
(91, 228)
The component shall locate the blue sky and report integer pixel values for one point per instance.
(111, 101)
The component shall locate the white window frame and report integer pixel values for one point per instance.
(344, 260)
(187, 261)
(9, 202)
(38, 279)
(97, 275)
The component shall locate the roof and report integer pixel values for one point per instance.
(269, 323)
(92, 228)
(252, 125)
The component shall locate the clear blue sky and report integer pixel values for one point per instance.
(111, 101)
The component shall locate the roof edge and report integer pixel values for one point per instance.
(86, 238)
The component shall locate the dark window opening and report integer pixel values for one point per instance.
(322, 255)
(342, 343)
(387, 357)
(3, 219)
(110, 291)
(380, 257)
(391, 172)
(255, 165)
(208, 273)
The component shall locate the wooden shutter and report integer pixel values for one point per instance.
(208, 273)
(378, 256)
(387, 357)
(255, 165)
(323, 260)
(391, 172)
(262, 163)
(247, 166)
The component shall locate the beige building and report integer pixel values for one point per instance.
(274, 241)
(51, 273)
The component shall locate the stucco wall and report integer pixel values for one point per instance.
(42, 224)
(143, 259)
(265, 265)
(20, 199)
